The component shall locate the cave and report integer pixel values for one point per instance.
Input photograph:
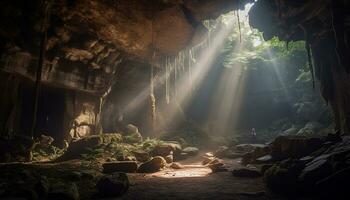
(174, 99)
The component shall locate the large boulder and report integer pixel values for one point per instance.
(258, 152)
(165, 148)
(113, 185)
(294, 146)
(120, 166)
(141, 156)
(311, 129)
(191, 151)
(153, 165)
(84, 145)
(132, 134)
(248, 147)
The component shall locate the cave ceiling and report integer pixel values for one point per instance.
(88, 39)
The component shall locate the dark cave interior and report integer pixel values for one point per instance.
(174, 99)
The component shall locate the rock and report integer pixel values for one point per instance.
(120, 166)
(209, 154)
(62, 190)
(315, 171)
(207, 160)
(191, 151)
(221, 152)
(165, 148)
(182, 156)
(176, 165)
(252, 156)
(217, 166)
(169, 158)
(131, 129)
(311, 129)
(132, 134)
(294, 146)
(153, 165)
(247, 172)
(248, 147)
(264, 159)
(291, 131)
(82, 146)
(265, 167)
(281, 180)
(141, 156)
(112, 186)
(45, 141)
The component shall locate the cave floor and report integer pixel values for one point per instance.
(196, 181)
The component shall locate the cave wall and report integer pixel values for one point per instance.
(62, 113)
(323, 25)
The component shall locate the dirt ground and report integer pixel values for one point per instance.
(196, 181)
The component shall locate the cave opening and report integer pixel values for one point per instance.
(174, 99)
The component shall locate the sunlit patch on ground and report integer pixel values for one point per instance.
(187, 171)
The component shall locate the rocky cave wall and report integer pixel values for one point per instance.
(89, 41)
(324, 26)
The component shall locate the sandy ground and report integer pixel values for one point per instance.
(196, 181)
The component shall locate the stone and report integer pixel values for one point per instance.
(169, 158)
(265, 167)
(120, 166)
(113, 185)
(153, 165)
(248, 147)
(82, 146)
(281, 180)
(251, 157)
(207, 160)
(311, 129)
(131, 129)
(221, 152)
(176, 165)
(141, 156)
(217, 166)
(63, 190)
(249, 172)
(133, 138)
(291, 131)
(209, 154)
(315, 171)
(45, 141)
(264, 159)
(182, 156)
(132, 134)
(293, 146)
(191, 151)
(165, 148)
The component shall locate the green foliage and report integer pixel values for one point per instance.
(149, 144)
(304, 76)
(246, 47)
(92, 153)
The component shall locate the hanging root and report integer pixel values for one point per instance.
(311, 67)
(239, 26)
(308, 50)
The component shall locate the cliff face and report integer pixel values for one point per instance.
(324, 25)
